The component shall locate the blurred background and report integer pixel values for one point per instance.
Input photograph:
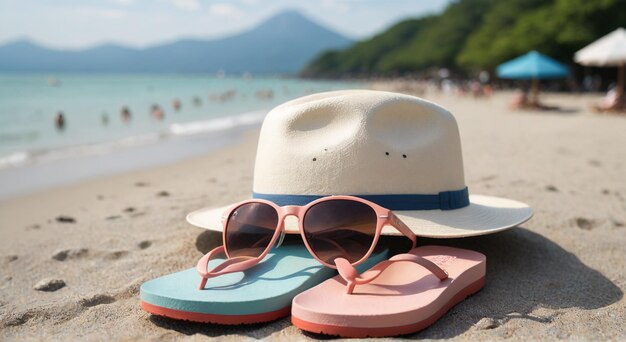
(98, 87)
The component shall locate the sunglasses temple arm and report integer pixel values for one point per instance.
(228, 266)
(402, 228)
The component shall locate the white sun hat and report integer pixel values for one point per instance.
(399, 151)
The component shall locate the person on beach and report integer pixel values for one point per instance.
(476, 89)
(157, 112)
(176, 104)
(520, 100)
(487, 90)
(609, 102)
(265, 94)
(125, 113)
(59, 121)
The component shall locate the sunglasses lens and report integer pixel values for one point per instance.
(340, 229)
(250, 229)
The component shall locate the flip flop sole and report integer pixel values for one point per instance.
(260, 294)
(388, 331)
(405, 298)
(216, 319)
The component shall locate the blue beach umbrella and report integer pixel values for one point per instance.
(532, 66)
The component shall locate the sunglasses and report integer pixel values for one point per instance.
(335, 229)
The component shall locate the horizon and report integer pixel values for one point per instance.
(168, 21)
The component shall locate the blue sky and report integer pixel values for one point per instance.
(77, 24)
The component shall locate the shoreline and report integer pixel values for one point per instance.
(26, 172)
(61, 167)
(563, 267)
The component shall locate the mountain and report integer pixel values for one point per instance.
(474, 34)
(282, 44)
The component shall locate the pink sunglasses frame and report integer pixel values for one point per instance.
(384, 218)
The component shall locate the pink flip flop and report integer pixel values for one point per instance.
(402, 295)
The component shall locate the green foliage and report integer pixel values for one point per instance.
(476, 34)
(364, 57)
(489, 43)
(440, 41)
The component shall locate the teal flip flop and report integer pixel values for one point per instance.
(260, 294)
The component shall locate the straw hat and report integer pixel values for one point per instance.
(399, 151)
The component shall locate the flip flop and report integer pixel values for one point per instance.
(260, 294)
(402, 295)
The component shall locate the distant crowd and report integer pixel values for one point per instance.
(156, 112)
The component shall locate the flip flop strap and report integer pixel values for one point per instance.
(230, 265)
(353, 278)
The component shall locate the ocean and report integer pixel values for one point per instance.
(211, 106)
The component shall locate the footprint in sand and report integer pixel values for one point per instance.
(552, 188)
(115, 255)
(15, 319)
(141, 184)
(49, 285)
(70, 254)
(585, 224)
(144, 244)
(129, 210)
(10, 258)
(94, 300)
(80, 253)
(113, 217)
(65, 219)
(163, 194)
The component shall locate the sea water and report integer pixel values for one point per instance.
(91, 106)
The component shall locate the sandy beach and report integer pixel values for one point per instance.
(561, 275)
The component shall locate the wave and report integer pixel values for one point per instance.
(221, 124)
(218, 124)
(13, 159)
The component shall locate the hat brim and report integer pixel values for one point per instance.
(484, 215)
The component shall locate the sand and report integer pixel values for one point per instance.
(561, 275)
